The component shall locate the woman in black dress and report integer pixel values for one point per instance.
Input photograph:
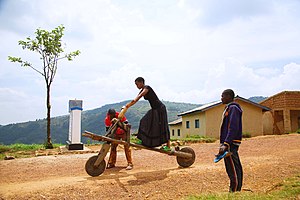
(154, 129)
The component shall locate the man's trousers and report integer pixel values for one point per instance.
(234, 169)
(113, 152)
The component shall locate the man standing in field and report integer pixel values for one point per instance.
(230, 139)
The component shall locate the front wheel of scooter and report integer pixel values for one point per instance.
(93, 170)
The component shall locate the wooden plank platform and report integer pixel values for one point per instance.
(173, 152)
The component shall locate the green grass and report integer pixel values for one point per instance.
(188, 139)
(198, 139)
(288, 189)
(21, 150)
(28, 150)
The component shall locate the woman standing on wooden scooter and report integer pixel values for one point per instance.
(153, 130)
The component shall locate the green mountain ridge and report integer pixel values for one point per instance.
(92, 120)
(257, 99)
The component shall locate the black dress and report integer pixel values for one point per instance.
(154, 128)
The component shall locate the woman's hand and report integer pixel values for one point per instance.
(140, 95)
(122, 113)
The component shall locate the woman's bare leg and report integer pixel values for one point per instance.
(169, 143)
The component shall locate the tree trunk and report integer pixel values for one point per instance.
(48, 143)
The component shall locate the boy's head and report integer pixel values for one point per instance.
(111, 113)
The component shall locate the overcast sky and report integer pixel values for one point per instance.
(187, 50)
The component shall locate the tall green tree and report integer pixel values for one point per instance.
(49, 46)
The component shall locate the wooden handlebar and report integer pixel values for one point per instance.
(122, 113)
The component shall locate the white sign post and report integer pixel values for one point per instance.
(75, 109)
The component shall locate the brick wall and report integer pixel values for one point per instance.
(292, 99)
(286, 99)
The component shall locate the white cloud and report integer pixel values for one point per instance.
(187, 50)
(17, 106)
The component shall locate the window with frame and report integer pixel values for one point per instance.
(173, 132)
(197, 123)
(187, 124)
(178, 132)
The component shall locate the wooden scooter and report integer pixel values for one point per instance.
(96, 165)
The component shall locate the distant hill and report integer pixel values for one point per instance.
(257, 99)
(92, 120)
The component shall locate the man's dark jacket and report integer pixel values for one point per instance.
(231, 128)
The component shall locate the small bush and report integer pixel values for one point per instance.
(298, 131)
(246, 135)
(4, 148)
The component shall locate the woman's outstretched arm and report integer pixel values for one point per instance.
(137, 98)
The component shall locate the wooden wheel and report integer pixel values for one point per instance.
(93, 170)
(186, 162)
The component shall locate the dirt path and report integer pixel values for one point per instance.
(266, 160)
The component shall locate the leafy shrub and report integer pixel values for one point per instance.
(88, 142)
(246, 135)
(4, 148)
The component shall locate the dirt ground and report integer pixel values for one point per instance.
(267, 161)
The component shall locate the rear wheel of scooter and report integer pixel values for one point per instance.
(93, 170)
(186, 162)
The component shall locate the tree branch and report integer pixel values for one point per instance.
(36, 70)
